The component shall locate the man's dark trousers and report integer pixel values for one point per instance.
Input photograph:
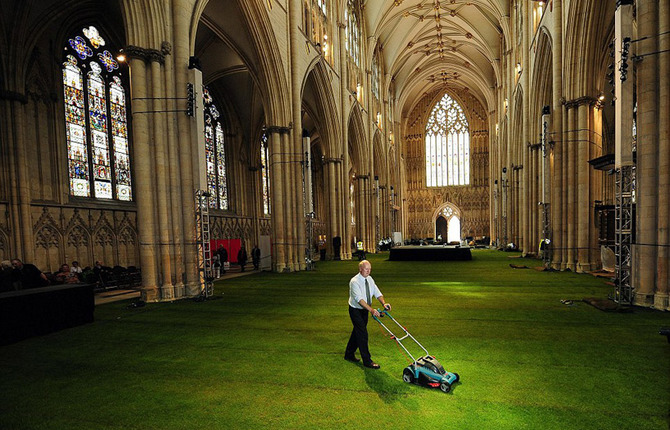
(359, 335)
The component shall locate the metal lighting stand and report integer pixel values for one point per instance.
(203, 244)
(546, 224)
(308, 202)
(504, 207)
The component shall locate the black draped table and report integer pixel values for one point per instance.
(430, 253)
(39, 311)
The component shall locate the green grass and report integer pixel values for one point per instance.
(267, 352)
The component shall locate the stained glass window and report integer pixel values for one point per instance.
(265, 174)
(353, 31)
(93, 87)
(215, 154)
(447, 145)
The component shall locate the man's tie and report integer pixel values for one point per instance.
(367, 292)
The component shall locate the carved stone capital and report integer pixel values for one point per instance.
(585, 100)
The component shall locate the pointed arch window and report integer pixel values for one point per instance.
(215, 154)
(447, 145)
(375, 76)
(96, 120)
(265, 174)
(317, 25)
(353, 31)
(352, 44)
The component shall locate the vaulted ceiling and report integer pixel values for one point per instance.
(431, 44)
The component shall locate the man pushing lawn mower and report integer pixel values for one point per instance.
(361, 289)
(425, 370)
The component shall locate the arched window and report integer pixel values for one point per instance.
(316, 24)
(352, 44)
(447, 145)
(375, 76)
(215, 154)
(97, 142)
(265, 174)
(353, 31)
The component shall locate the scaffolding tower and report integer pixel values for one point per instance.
(624, 199)
(203, 243)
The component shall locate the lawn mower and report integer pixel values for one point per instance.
(425, 370)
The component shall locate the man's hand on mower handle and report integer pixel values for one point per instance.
(387, 306)
(374, 312)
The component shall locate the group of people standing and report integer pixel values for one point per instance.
(220, 258)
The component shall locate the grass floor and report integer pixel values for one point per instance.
(267, 352)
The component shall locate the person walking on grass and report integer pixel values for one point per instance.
(361, 290)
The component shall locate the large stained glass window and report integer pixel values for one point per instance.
(265, 174)
(353, 31)
(215, 154)
(352, 45)
(97, 141)
(447, 145)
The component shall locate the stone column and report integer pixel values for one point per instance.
(142, 157)
(161, 174)
(661, 300)
(583, 206)
(181, 15)
(571, 187)
(647, 173)
(560, 148)
(175, 173)
(330, 171)
(288, 199)
(277, 198)
(294, 208)
(19, 170)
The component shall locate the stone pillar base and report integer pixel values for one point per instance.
(150, 294)
(179, 290)
(661, 302)
(279, 267)
(643, 300)
(193, 289)
(167, 293)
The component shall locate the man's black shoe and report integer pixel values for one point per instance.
(352, 359)
(372, 365)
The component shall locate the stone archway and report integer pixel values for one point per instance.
(447, 221)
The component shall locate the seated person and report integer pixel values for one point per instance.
(6, 276)
(76, 268)
(27, 275)
(65, 276)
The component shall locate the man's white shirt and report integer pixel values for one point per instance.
(357, 290)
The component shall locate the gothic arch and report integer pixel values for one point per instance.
(261, 55)
(590, 26)
(447, 211)
(356, 141)
(317, 93)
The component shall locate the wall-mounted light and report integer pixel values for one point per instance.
(121, 57)
(505, 104)
(518, 68)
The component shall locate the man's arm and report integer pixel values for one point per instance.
(370, 309)
(387, 306)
